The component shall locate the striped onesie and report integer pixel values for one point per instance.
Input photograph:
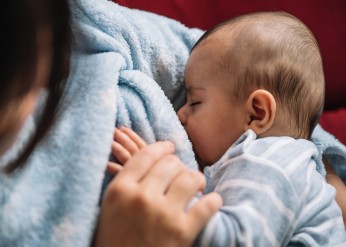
(273, 196)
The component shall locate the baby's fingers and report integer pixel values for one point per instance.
(120, 153)
(133, 136)
(113, 168)
(126, 141)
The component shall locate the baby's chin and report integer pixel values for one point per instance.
(202, 164)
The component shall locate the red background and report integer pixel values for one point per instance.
(326, 19)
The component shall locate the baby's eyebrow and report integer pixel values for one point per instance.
(190, 89)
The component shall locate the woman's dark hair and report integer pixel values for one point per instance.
(21, 21)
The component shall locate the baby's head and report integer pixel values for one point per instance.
(267, 68)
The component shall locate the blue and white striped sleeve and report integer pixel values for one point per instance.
(263, 206)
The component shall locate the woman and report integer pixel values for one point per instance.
(152, 198)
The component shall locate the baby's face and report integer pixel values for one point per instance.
(212, 121)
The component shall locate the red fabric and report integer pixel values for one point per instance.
(326, 19)
(335, 123)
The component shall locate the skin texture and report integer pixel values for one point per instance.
(153, 174)
(212, 117)
(209, 114)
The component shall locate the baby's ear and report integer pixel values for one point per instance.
(261, 108)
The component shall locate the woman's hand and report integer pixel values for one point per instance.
(146, 204)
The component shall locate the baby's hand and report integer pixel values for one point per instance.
(126, 144)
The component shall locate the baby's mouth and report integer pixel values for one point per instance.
(199, 161)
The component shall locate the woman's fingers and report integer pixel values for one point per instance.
(125, 206)
(163, 173)
(193, 180)
(140, 164)
(201, 212)
(152, 193)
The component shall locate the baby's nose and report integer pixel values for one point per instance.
(182, 115)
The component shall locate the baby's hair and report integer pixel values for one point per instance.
(21, 22)
(275, 51)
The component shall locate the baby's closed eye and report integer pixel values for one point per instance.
(194, 103)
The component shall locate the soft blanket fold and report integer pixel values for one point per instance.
(127, 69)
(154, 50)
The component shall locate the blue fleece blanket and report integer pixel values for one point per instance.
(127, 69)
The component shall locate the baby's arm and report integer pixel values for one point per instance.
(261, 208)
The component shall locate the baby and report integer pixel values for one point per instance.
(255, 92)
